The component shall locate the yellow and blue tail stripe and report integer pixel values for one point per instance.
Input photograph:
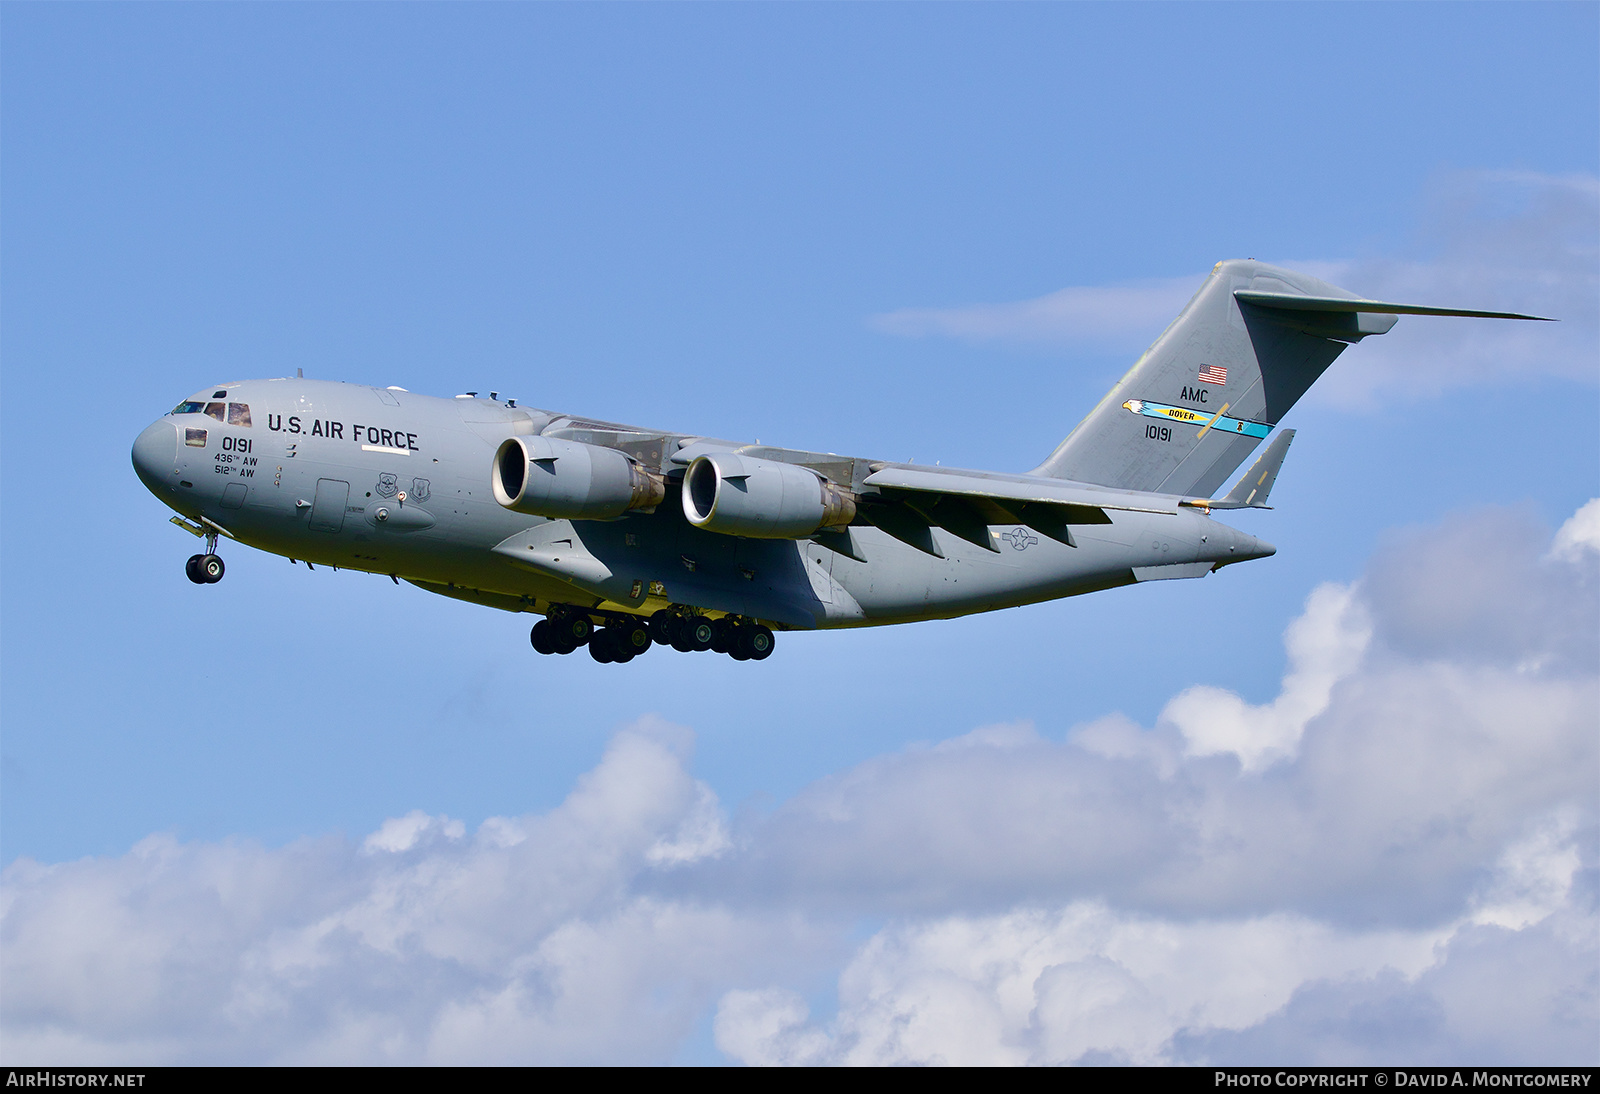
(1220, 422)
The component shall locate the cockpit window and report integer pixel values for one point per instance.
(194, 438)
(232, 413)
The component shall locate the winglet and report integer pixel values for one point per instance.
(1251, 491)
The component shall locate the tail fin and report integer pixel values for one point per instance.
(1220, 377)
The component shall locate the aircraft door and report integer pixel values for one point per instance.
(327, 511)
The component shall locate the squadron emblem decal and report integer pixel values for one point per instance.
(1220, 422)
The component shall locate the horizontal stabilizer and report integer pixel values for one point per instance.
(1295, 302)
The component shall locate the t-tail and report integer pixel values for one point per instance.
(1220, 378)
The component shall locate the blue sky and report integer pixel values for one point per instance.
(717, 219)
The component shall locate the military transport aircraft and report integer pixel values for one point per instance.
(623, 537)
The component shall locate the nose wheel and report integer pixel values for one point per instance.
(206, 569)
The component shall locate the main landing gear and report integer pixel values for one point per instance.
(624, 637)
(741, 639)
(206, 569)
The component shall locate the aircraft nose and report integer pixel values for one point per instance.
(155, 454)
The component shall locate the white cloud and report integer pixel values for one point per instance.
(1494, 996)
(530, 940)
(1497, 240)
(769, 1028)
(1413, 879)
(1325, 645)
(403, 833)
(1111, 314)
(1532, 879)
(1580, 534)
(1395, 858)
(1055, 986)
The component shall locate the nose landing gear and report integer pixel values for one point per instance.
(206, 569)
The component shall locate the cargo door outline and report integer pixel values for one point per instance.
(327, 512)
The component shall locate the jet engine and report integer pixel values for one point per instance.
(740, 496)
(556, 478)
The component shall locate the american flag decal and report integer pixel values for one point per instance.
(1212, 374)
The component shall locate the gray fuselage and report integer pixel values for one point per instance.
(390, 482)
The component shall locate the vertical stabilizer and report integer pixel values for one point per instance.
(1216, 382)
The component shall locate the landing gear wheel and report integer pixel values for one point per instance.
(678, 634)
(542, 639)
(575, 629)
(759, 643)
(192, 568)
(211, 569)
(721, 635)
(661, 627)
(600, 649)
(632, 639)
(700, 633)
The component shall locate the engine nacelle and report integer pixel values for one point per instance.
(739, 496)
(556, 478)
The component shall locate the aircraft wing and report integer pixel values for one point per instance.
(905, 501)
(910, 500)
